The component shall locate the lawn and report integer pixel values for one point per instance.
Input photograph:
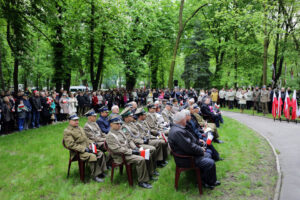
(250, 112)
(34, 166)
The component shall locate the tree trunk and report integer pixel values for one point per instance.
(92, 41)
(266, 46)
(235, 60)
(100, 62)
(16, 72)
(1, 72)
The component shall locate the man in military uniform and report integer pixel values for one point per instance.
(167, 113)
(118, 144)
(264, 98)
(159, 143)
(175, 107)
(103, 120)
(256, 99)
(75, 139)
(152, 121)
(132, 133)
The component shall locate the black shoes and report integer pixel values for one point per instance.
(219, 141)
(219, 159)
(98, 180)
(217, 183)
(156, 173)
(145, 185)
(152, 178)
(161, 164)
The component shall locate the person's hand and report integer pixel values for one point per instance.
(88, 150)
(203, 149)
(135, 152)
(201, 141)
(146, 141)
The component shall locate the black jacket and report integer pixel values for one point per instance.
(36, 103)
(205, 110)
(184, 143)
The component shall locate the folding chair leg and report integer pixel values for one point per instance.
(112, 173)
(81, 169)
(129, 174)
(69, 167)
(177, 175)
(121, 169)
(199, 181)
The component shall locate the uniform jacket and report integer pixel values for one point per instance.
(167, 115)
(133, 133)
(94, 133)
(256, 95)
(264, 96)
(118, 144)
(152, 123)
(75, 139)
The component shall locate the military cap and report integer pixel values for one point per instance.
(140, 111)
(126, 112)
(128, 105)
(90, 113)
(73, 117)
(169, 103)
(195, 106)
(151, 105)
(103, 109)
(115, 120)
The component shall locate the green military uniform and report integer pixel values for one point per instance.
(75, 139)
(152, 122)
(132, 133)
(264, 97)
(167, 115)
(256, 100)
(159, 144)
(119, 144)
(94, 133)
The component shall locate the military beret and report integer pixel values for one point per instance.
(115, 120)
(151, 105)
(126, 112)
(103, 109)
(73, 117)
(90, 113)
(140, 111)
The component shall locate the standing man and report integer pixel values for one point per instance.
(264, 98)
(36, 109)
(103, 120)
(118, 144)
(256, 99)
(75, 139)
(222, 94)
(230, 97)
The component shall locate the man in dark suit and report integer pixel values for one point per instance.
(184, 143)
(207, 112)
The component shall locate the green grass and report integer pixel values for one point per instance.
(250, 112)
(34, 166)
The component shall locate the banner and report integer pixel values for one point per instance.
(274, 105)
(286, 107)
(294, 106)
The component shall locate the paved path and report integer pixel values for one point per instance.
(285, 137)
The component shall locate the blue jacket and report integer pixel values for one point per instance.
(27, 104)
(103, 124)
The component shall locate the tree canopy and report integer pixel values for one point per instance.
(139, 43)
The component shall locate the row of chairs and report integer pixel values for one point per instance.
(82, 163)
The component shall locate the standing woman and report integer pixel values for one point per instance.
(8, 116)
(64, 106)
(249, 98)
(73, 103)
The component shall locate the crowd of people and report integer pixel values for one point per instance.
(187, 128)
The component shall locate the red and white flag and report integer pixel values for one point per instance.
(294, 106)
(286, 107)
(274, 105)
(279, 108)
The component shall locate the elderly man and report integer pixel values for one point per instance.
(167, 113)
(184, 143)
(264, 98)
(103, 120)
(152, 121)
(159, 143)
(132, 133)
(114, 111)
(208, 112)
(75, 139)
(119, 144)
(92, 130)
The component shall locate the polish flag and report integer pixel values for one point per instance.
(286, 107)
(279, 105)
(94, 148)
(294, 106)
(145, 153)
(274, 105)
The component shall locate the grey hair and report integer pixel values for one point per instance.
(179, 116)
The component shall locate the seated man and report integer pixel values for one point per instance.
(152, 121)
(119, 144)
(103, 120)
(207, 112)
(131, 131)
(92, 130)
(75, 139)
(175, 107)
(204, 125)
(159, 143)
(167, 113)
(114, 111)
(184, 143)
